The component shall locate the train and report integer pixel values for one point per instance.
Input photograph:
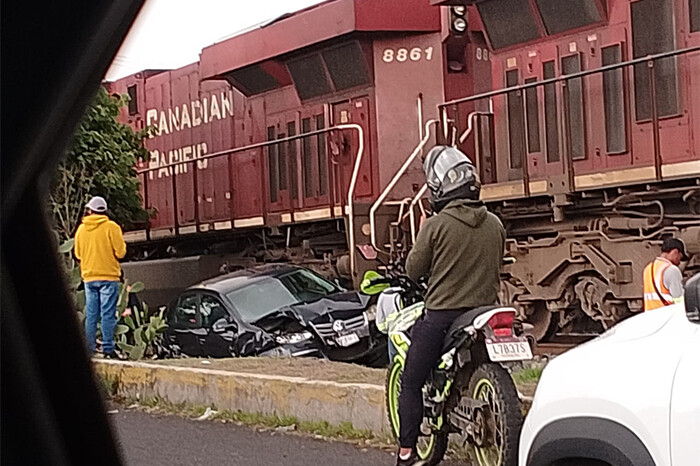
(301, 139)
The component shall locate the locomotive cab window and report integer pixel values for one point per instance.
(332, 70)
(282, 158)
(653, 32)
(314, 158)
(575, 118)
(273, 164)
(307, 157)
(322, 156)
(133, 100)
(516, 122)
(614, 102)
(346, 65)
(508, 22)
(694, 13)
(559, 16)
(309, 76)
(533, 118)
(252, 80)
(551, 113)
(292, 157)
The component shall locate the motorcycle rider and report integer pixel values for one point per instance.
(460, 249)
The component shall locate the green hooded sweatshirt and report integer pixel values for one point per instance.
(460, 250)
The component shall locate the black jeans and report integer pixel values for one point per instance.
(427, 337)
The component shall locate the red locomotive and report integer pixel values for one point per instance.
(301, 139)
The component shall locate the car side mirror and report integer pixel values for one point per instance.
(222, 325)
(692, 299)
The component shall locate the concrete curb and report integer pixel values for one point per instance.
(360, 404)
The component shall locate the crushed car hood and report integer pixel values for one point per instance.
(336, 306)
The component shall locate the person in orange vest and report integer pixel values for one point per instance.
(663, 280)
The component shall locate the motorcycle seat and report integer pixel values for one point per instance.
(454, 335)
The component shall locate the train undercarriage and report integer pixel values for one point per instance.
(578, 259)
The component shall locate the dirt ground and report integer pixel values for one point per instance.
(312, 369)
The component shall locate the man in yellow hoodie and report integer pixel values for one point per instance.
(99, 244)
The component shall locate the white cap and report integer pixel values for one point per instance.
(97, 204)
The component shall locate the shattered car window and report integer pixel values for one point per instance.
(211, 310)
(185, 314)
(260, 298)
(307, 286)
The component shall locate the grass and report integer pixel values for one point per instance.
(527, 376)
(109, 385)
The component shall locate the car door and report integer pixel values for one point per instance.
(184, 324)
(685, 405)
(217, 339)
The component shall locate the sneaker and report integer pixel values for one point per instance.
(112, 355)
(413, 460)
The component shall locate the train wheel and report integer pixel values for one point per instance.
(545, 326)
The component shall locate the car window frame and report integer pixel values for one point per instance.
(281, 277)
(231, 315)
(198, 317)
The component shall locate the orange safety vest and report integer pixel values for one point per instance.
(656, 296)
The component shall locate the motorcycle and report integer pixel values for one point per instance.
(469, 392)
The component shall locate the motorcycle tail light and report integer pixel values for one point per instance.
(502, 324)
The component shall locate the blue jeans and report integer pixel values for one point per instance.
(101, 301)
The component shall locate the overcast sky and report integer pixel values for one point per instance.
(170, 33)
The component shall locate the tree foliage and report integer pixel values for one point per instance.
(101, 162)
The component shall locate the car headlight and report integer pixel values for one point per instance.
(279, 352)
(371, 313)
(293, 338)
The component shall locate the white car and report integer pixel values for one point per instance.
(630, 397)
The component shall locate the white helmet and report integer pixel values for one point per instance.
(450, 175)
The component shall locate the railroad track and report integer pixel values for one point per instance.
(559, 344)
(551, 349)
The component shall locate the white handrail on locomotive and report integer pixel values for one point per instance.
(421, 192)
(351, 190)
(394, 180)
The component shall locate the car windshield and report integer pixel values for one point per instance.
(259, 299)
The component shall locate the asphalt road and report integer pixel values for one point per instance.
(154, 440)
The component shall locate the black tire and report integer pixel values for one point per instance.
(492, 382)
(392, 390)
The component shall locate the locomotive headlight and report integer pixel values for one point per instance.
(459, 25)
(459, 10)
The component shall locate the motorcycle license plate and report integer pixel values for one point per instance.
(347, 340)
(511, 349)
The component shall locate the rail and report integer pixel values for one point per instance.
(394, 180)
(564, 79)
(421, 192)
(351, 195)
(229, 152)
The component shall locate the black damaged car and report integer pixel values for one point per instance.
(274, 310)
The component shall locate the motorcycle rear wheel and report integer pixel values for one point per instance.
(492, 383)
(430, 448)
